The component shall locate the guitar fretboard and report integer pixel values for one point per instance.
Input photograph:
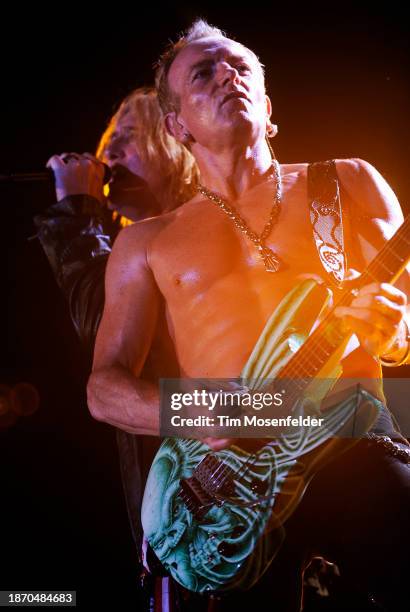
(329, 335)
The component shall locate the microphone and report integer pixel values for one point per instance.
(43, 176)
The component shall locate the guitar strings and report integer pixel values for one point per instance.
(314, 342)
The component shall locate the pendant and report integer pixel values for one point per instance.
(270, 259)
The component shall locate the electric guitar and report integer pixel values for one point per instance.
(215, 519)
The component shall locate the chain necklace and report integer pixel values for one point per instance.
(270, 259)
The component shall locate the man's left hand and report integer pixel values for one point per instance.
(375, 315)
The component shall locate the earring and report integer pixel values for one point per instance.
(271, 130)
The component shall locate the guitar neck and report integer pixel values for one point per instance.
(330, 334)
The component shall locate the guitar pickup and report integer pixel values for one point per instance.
(211, 477)
(197, 501)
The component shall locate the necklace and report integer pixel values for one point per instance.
(270, 259)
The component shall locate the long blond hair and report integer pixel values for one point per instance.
(154, 145)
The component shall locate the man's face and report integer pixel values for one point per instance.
(133, 180)
(221, 90)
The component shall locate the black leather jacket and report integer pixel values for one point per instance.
(76, 235)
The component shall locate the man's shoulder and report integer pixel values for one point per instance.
(132, 244)
(345, 164)
(356, 176)
(354, 167)
(368, 189)
(362, 185)
(140, 233)
(352, 171)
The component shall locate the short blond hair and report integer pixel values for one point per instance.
(168, 99)
(155, 145)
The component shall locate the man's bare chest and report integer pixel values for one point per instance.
(204, 246)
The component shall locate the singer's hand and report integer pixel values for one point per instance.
(77, 174)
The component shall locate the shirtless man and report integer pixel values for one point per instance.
(217, 291)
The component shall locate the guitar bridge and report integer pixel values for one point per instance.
(210, 480)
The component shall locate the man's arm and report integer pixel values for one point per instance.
(116, 394)
(378, 313)
(73, 236)
(76, 234)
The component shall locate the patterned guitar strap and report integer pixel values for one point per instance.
(326, 218)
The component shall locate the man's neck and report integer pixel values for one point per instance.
(232, 172)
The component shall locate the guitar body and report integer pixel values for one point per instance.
(215, 519)
(224, 546)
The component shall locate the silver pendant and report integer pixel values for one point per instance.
(270, 259)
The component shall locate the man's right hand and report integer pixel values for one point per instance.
(217, 444)
(77, 174)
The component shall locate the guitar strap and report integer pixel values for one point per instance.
(326, 218)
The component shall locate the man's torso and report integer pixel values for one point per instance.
(217, 291)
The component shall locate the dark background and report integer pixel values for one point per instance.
(338, 78)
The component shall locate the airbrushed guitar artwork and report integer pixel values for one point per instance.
(215, 520)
